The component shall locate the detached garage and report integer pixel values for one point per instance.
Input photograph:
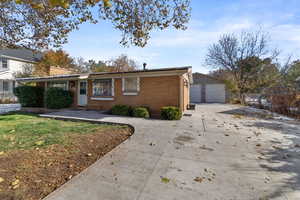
(206, 89)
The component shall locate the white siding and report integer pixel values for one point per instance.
(8, 75)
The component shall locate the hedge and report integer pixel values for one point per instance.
(30, 96)
(140, 112)
(57, 98)
(170, 113)
(121, 110)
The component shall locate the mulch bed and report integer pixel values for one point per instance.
(33, 174)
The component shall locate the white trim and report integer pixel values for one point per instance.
(130, 93)
(78, 92)
(137, 74)
(123, 84)
(102, 98)
(112, 84)
(137, 86)
(113, 87)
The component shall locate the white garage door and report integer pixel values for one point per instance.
(195, 93)
(215, 93)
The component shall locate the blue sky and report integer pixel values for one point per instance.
(209, 20)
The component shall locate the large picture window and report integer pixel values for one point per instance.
(131, 85)
(102, 87)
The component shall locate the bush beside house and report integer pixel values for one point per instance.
(170, 113)
(57, 98)
(140, 112)
(30, 96)
(123, 110)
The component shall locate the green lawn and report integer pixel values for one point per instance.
(25, 131)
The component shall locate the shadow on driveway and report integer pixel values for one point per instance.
(282, 155)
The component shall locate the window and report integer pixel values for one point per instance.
(5, 86)
(103, 87)
(131, 85)
(60, 84)
(82, 88)
(4, 63)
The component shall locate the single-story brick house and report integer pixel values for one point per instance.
(153, 88)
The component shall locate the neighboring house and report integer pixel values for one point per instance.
(11, 62)
(206, 89)
(153, 88)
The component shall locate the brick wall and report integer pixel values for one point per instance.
(155, 92)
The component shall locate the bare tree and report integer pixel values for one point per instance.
(27, 71)
(243, 55)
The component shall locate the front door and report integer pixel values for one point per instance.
(82, 93)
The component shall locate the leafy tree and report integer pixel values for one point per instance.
(99, 66)
(122, 64)
(226, 76)
(37, 24)
(291, 72)
(245, 56)
(58, 58)
(257, 74)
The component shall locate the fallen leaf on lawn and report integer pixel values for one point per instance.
(165, 180)
(16, 182)
(1, 179)
(12, 131)
(15, 187)
(198, 179)
(39, 143)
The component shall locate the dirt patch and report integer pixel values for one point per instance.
(33, 174)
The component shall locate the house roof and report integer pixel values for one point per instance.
(21, 54)
(109, 74)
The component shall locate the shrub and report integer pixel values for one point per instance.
(57, 98)
(30, 96)
(170, 113)
(121, 110)
(140, 112)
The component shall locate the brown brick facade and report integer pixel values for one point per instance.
(156, 89)
(155, 92)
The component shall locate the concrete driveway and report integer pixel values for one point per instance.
(236, 157)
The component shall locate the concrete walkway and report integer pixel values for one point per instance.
(178, 160)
